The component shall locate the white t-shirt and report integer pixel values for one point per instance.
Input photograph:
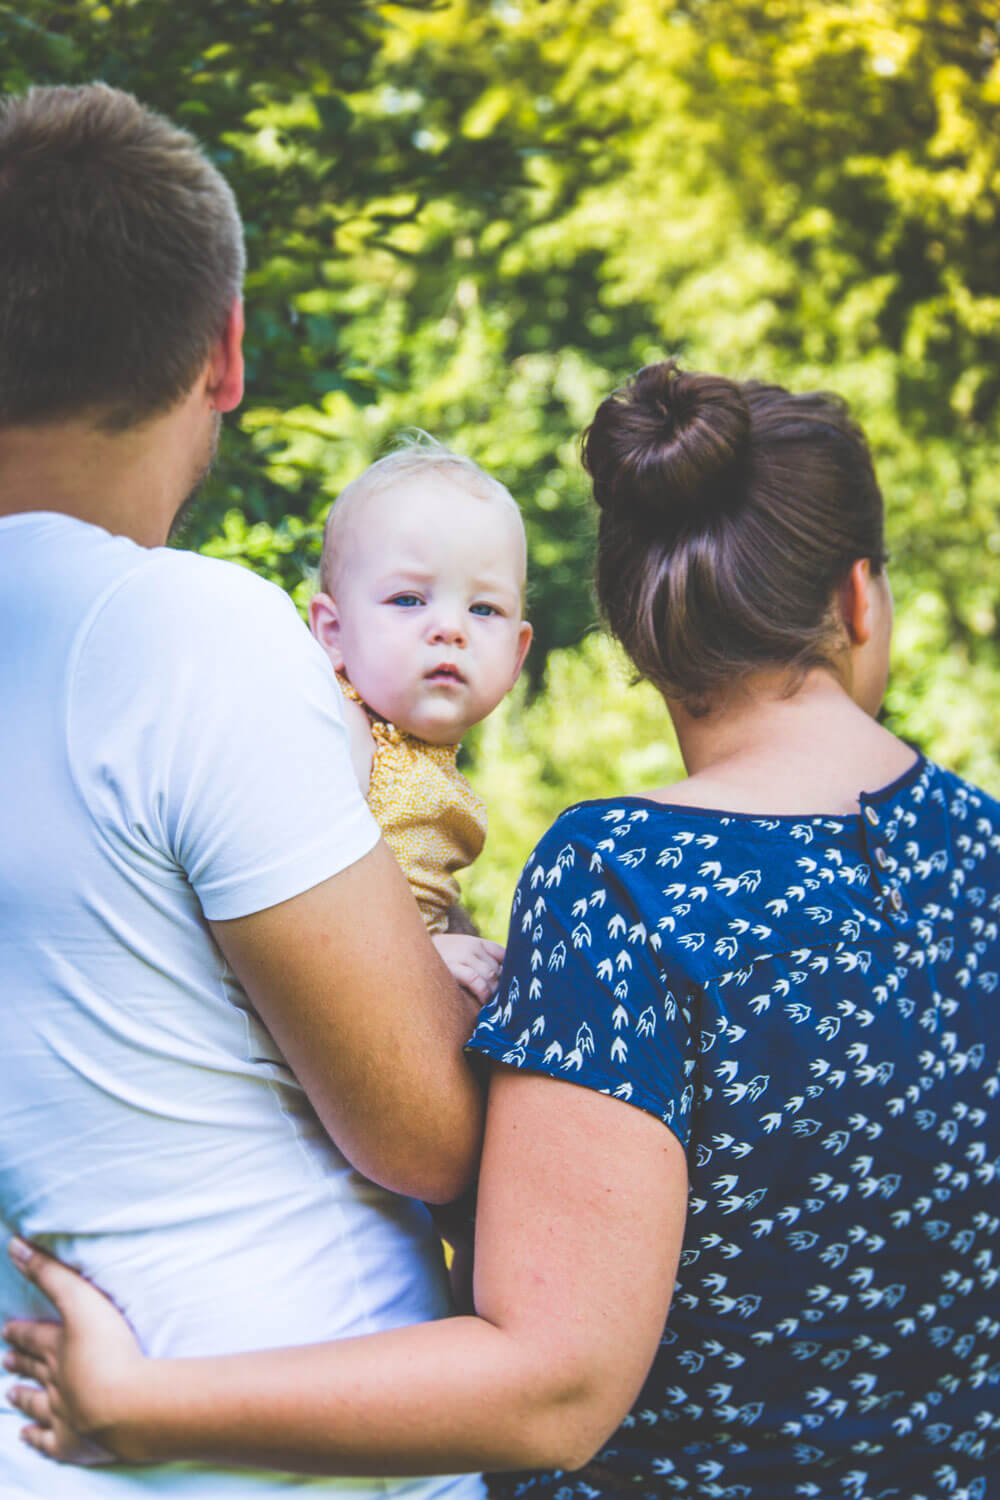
(173, 749)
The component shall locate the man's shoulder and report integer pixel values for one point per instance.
(181, 618)
(172, 570)
(184, 592)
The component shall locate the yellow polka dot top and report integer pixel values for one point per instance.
(429, 815)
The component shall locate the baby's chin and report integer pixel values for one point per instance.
(438, 724)
(437, 733)
(439, 717)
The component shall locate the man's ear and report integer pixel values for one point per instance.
(324, 622)
(225, 366)
(523, 642)
(854, 601)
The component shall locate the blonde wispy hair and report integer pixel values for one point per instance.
(416, 454)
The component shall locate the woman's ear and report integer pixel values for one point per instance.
(324, 622)
(854, 600)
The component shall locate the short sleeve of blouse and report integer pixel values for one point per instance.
(587, 993)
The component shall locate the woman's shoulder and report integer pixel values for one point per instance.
(937, 813)
(958, 795)
(632, 851)
(608, 822)
(926, 783)
(633, 829)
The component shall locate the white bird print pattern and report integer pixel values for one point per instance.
(807, 1003)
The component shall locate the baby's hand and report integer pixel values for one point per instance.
(474, 961)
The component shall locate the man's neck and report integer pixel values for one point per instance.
(131, 483)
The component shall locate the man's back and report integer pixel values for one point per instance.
(149, 1130)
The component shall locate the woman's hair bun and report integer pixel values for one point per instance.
(669, 449)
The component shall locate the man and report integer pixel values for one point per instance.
(187, 869)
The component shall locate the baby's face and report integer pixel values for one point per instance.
(426, 622)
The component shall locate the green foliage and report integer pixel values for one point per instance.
(533, 757)
(280, 94)
(803, 191)
(477, 216)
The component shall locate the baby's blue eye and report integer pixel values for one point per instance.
(406, 601)
(483, 609)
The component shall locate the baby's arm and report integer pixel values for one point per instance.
(361, 740)
(474, 961)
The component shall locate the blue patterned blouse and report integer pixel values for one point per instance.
(809, 1003)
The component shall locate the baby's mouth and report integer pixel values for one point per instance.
(445, 673)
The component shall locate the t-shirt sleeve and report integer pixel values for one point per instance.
(587, 993)
(206, 734)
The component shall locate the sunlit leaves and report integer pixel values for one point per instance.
(476, 218)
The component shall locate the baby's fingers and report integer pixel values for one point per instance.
(478, 986)
(484, 963)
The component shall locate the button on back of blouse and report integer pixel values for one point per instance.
(896, 899)
(871, 815)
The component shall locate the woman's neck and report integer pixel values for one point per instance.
(765, 750)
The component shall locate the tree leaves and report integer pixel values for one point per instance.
(478, 218)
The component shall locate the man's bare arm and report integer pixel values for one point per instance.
(372, 1024)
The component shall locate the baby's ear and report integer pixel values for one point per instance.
(523, 642)
(324, 622)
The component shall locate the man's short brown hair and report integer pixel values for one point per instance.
(121, 251)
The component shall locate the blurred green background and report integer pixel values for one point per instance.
(476, 218)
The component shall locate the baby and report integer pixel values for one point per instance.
(421, 613)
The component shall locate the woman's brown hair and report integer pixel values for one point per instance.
(730, 512)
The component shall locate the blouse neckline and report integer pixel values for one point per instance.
(894, 788)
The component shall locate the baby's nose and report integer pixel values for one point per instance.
(449, 629)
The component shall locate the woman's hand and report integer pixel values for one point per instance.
(580, 1223)
(79, 1363)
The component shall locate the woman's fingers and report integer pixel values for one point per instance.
(33, 1402)
(23, 1364)
(72, 1361)
(56, 1281)
(42, 1439)
(33, 1339)
(61, 1443)
(50, 1434)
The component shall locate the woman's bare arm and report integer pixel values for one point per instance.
(581, 1214)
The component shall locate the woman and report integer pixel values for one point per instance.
(742, 1042)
